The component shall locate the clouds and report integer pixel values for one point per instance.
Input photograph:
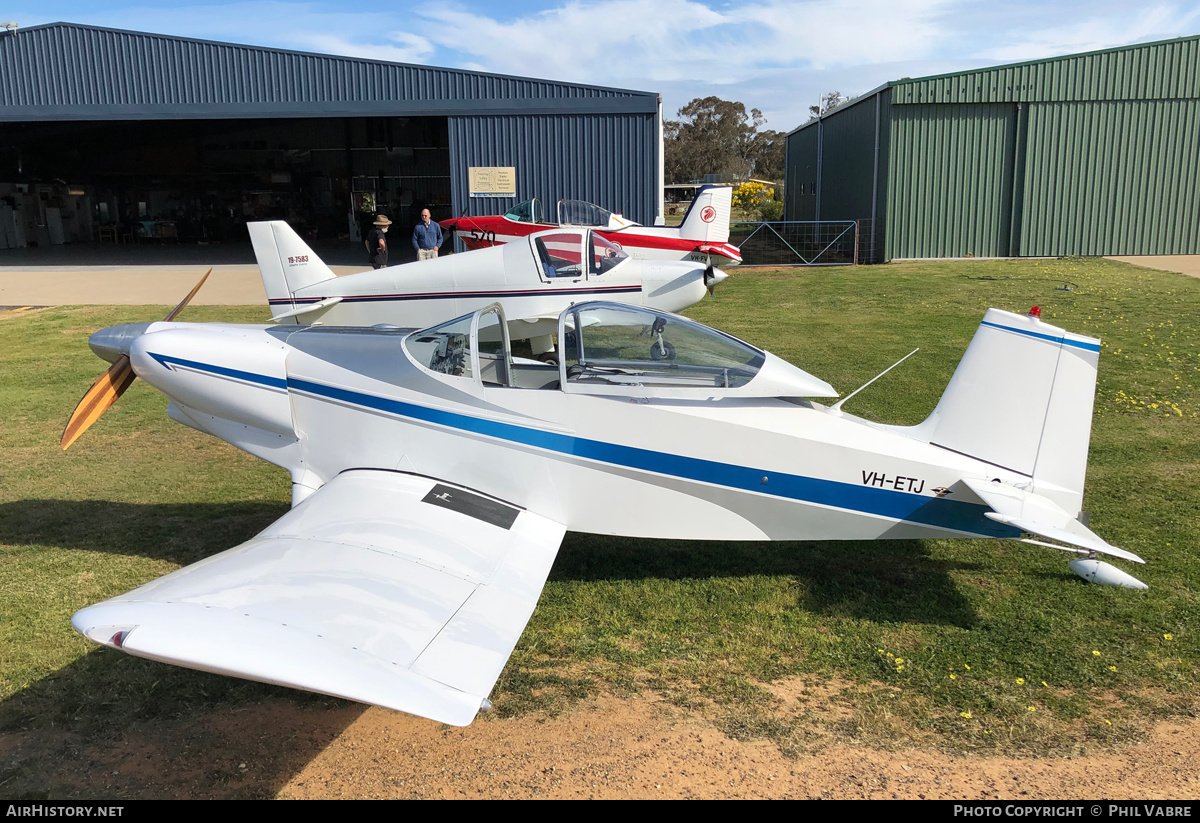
(1125, 24)
(832, 33)
(660, 41)
(631, 40)
(776, 55)
(403, 48)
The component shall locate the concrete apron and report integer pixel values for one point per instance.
(1188, 264)
(228, 285)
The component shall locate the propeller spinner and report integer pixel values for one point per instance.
(713, 276)
(111, 385)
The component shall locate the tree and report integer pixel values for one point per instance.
(828, 101)
(715, 136)
(767, 156)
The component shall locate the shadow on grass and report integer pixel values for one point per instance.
(885, 581)
(181, 533)
(114, 726)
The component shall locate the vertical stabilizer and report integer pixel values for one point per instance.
(707, 219)
(1022, 399)
(285, 261)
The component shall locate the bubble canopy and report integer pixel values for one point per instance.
(612, 348)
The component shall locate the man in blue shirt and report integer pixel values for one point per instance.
(427, 238)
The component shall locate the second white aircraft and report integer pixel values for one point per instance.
(533, 278)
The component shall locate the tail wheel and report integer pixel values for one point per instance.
(656, 353)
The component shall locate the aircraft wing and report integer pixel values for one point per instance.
(381, 587)
(1039, 515)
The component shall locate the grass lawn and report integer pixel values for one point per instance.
(955, 644)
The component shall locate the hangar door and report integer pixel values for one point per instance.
(950, 189)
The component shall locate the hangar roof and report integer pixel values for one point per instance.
(1144, 71)
(1166, 69)
(67, 71)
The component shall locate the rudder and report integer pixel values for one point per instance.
(707, 219)
(1022, 398)
(285, 262)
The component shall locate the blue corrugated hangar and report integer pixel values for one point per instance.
(108, 134)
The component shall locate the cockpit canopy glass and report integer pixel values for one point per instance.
(614, 345)
(445, 349)
(582, 213)
(475, 345)
(528, 212)
(606, 255)
(560, 254)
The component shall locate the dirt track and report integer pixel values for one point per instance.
(614, 748)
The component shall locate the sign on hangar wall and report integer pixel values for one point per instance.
(492, 181)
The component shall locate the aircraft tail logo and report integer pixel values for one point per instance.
(707, 219)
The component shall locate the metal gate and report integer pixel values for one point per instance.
(803, 242)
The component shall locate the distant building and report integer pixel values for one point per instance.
(1087, 154)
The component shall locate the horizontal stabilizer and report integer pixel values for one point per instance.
(1041, 516)
(724, 249)
(307, 309)
(381, 587)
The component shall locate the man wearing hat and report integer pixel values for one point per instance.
(376, 242)
(427, 238)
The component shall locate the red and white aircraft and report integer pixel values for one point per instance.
(703, 237)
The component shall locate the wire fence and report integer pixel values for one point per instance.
(805, 242)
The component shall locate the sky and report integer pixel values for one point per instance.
(778, 56)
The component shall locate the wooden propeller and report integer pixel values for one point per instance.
(111, 385)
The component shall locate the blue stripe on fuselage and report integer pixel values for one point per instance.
(168, 361)
(913, 508)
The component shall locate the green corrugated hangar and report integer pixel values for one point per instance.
(1087, 154)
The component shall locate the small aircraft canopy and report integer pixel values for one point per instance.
(623, 346)
(606, 255)
(474, 345)
(560, 253)
(582, 213)
(612, 348)
(575, 253)
(445, 349)
(530, 211)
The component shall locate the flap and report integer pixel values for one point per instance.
(381, 587)
(1040, 515)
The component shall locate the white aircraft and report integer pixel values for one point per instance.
(534, 279)
(434, 475)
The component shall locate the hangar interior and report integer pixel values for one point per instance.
(145, 140)
(199, 181)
